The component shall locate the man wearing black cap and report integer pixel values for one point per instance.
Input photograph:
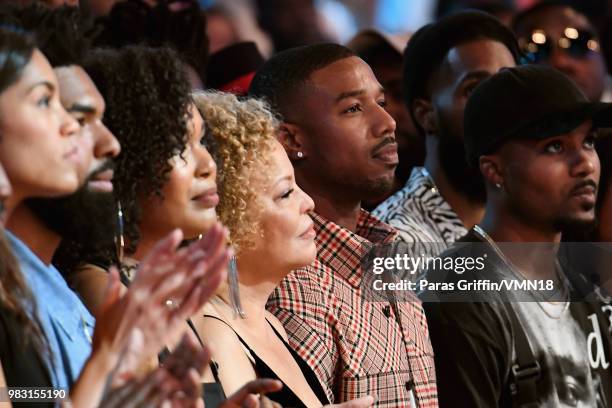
(535, 149)
(443, 63)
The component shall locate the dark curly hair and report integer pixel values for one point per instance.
(63, 34)
(147, 96)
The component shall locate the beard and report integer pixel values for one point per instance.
(374, 189)
(85, 216)
(462, 177)
(574, 226)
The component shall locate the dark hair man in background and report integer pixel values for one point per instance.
(535, 148)
(444, 61)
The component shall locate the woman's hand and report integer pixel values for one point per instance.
(176, 384)
(130, 330)
(171, 284)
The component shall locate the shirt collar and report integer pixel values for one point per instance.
(421, 180)
(342, 250)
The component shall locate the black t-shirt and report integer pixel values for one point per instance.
(23, 366)
(474, 347)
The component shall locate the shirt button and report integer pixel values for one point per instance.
(387, 311)
(409, 385)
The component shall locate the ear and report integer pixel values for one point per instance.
(291, 137)
(424, 115)
(492, 171)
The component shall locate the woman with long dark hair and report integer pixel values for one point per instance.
(22, 343)
(39, 153)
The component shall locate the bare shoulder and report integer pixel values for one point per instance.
(232, 361)
(214, 327)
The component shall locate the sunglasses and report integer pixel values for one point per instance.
(577, 43)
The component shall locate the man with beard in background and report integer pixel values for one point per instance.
(443, 63)
(64, 37)
(512, 347)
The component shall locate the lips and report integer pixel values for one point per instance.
(309, 233)
(387, 154)
(586, 191)
(102, 181)
(208, 198)
(585, 194)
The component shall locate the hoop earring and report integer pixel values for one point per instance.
(234, 290)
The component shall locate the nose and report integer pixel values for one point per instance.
(383, 123)
(308, 204)
(106, 144)
(560, 60)
(584, 163)
(68, 125)
(5, 185)
(206, 166)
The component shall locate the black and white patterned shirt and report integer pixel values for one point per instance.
(421, 215)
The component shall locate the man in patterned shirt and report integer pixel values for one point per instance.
(341, 141)
(444, 61)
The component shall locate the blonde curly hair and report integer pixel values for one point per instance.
(239, 133)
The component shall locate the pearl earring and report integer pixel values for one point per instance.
(498, 186)
(300, 154)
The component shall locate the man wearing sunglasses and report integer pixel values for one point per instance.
(558, 35)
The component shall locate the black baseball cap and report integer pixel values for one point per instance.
(526, 102)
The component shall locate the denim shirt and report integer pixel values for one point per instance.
(66, 322)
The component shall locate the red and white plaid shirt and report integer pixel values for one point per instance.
(356, 347)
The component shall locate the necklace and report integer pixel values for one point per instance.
(482, 233)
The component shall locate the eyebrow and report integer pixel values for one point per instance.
(287, 177)
(479, 75)
(47, 84)
(351, 94)
(80, 107)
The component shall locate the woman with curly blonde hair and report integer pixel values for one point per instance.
(272, 233)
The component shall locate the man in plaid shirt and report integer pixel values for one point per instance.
(342, 144)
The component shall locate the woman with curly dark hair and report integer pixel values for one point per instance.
(164, 176)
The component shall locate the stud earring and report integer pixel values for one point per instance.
(300, 155)
(498, 186)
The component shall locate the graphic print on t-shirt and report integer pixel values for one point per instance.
(571, 359)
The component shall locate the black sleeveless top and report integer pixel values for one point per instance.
(285, 397)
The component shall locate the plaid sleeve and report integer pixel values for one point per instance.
(310, 327)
